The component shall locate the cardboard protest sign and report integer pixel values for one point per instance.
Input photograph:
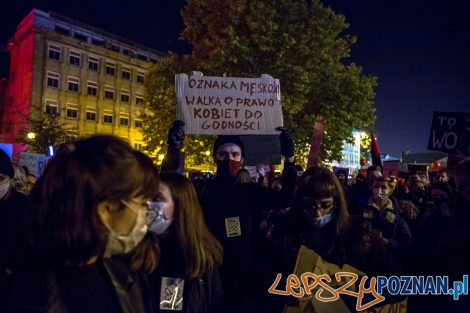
(261, 149)
(228, 105)
(450, 132)
(309, 261)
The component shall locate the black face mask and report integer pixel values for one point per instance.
(228, 168)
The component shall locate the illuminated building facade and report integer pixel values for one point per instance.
(93, 80)
(351, 154)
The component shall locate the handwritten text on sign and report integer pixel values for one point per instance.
(450, 132)
(228, 105)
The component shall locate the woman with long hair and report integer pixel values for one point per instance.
(320, 221)
(186, 276)
(88, 206)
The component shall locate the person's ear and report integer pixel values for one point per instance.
(241, 160)
(104, 210)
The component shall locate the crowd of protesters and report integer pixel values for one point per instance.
(104, 230)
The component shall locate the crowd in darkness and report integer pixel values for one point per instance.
(105, 230)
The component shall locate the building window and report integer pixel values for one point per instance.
(62, 30)
(125, 96)
(93, 64)
(90, 116)
(138, 146)
(142, 57)
(140, 77)
(53, 80)
(52, 107)
(71, 112)
(74, 58)
(110, 69)
(81, 37)
(112, 47)
(92, 88)
(138, 124)
(107, 118)
(139, 99)
(54, 52)
(98, 42)
(109, 94)
(73, 84)
(124, 121)
(126, 74)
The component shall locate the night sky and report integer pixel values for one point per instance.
(418, 49)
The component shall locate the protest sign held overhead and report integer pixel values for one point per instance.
(228, 105)
(450, 132)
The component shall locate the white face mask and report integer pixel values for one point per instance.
(157, 221)
(4, 187)
(120, 244)
(323, 220)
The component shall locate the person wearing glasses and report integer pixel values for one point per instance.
(319, 220)
(185, 277)
(233, 211)
(89, 206)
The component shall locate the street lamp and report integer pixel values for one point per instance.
(31, 135)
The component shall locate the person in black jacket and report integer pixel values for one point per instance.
(320, 220)
(183, 272)
(393, 231)
(88, 206)
(12, 207)
(231, 209)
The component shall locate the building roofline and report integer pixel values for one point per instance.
(99, 31)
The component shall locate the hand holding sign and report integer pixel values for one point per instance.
(287, 142)
(176, 135)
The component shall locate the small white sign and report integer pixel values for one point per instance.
(171, 294)
(31, 161)
(228, 105)
(232, 226)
